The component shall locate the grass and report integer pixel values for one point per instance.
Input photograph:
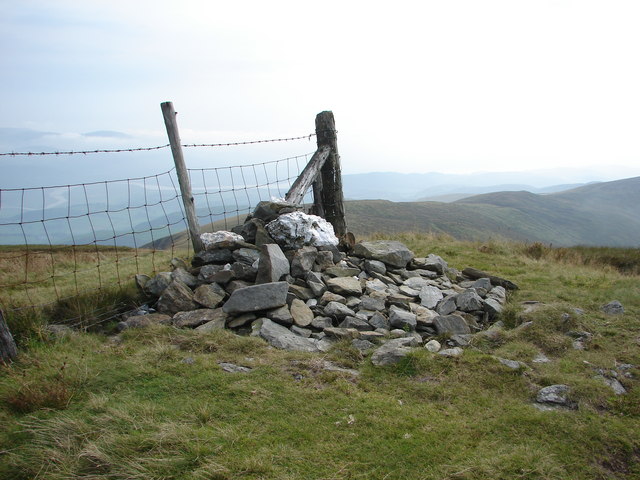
(82, 286)
(154, 403)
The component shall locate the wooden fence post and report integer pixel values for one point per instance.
(330, 175)
(8, 350)
(170, 122)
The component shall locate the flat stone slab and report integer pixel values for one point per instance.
(284, 339)
(392, 351)
(345, 286)
(451, 324)
(257, 297)
(390, 252)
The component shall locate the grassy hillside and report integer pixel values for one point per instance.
(155, 404)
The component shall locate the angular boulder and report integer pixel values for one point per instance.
(390, 252)
(257, 297)
(297, 229)
(273, 265)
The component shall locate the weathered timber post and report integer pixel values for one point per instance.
(8, 350)
(331, 198)
(170, 122)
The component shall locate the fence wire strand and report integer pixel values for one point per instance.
(64, 241)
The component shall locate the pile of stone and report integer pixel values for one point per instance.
(283, 277)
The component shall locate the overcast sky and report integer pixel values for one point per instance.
(454, 86)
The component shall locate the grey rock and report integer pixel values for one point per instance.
(303, 260)
(273, 265)
(242, 271)
(378, 320)
(246, 255)
(338, 310)
(339, 271)
(392, 351)
(447, 306)
(460, 339)
(185, 277)
(483, 283)
(177, 297)
(430, 296)
(257, 297)
(158, 284)
(233, 368)
(61, 331)
(362, 344)
(345, 286)
(375, 266)
(417, 283)
(342, 333)
(239, 321)
(141, 280)
(613, 308)
(282, 338)
(281, 315)
(332, 297)
(435, 263)
(372, 303)
(451, 352)
(433, 346)
(451, 324)
(321, 322)
(316, 285)
(469, 301)
(324, 260)
(492, 307)
(499, 294)
(269, 210)
(409, 292)
(195, 318)
(512, 364)
(209, 295)
(541, 358)
(391, 252)
(220, 256)
(375, 285)
(555, 395)
(208, 272)
(217, 322)
(301, 332)
(614, 383)
(399, 318)
(354, 322)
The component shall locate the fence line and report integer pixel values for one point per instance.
(159, 147)
(60, 242)
(63, 241)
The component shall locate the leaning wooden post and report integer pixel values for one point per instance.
(331, 176)
(8, 350)
(170, 122)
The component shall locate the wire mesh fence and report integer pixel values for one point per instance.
(58, 242)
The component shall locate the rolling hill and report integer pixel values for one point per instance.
(602, 214)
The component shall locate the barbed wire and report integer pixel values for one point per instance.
(159, 147)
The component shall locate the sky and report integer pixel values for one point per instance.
(455, 86)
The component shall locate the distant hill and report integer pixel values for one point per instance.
(602, 214)
(598, 214)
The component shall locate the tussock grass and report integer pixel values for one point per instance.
(155, 404)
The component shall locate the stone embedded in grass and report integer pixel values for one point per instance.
(554, 396)
(451, 352)
(195, 318)
(392, 351)
(433, 346)
(613, 308)
(257, 297)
